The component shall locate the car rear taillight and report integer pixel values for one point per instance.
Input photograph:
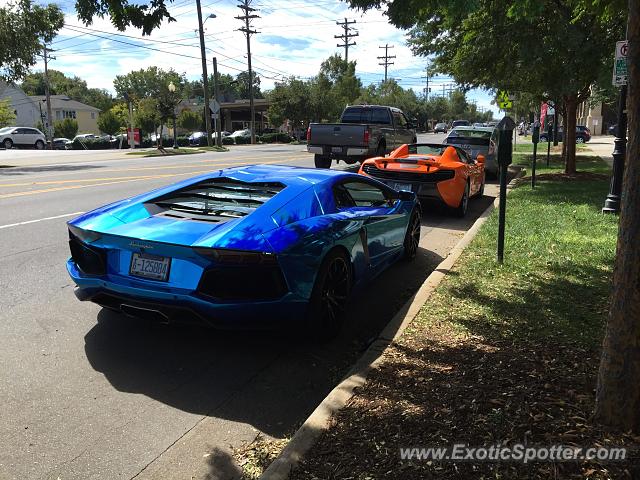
(90, 260)
(366, 136)
(309, 134)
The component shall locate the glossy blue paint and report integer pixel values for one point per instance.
(299, 225)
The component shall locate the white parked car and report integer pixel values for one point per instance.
(22, 137)
(241, 133)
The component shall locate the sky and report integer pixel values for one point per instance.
(294, 38)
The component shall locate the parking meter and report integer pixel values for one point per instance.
(505, 156)
(535, 138)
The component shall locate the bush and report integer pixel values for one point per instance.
(67, 128)
(276, 137)
(227, 141)
(183, 141)
(242, 140)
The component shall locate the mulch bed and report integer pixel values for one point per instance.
(437, 387)
(567, 177)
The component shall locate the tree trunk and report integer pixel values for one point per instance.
(569, 136)
(618, 390)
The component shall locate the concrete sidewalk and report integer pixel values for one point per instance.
(601, 146)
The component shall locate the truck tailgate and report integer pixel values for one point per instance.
(338, 134)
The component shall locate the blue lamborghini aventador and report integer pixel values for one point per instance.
(239, 245)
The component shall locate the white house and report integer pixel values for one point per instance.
(27, 112)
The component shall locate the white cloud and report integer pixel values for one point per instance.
(295, 37)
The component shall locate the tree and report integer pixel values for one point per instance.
(190, 120)
(147, 83)
(547, 48)
(110, 123)
(242, 87)
(7, 117)
(618, 391)
(290, 101)
(67, 128)
(123, 14)
(146, 115)
(23, 28)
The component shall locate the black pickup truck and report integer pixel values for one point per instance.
(364, 131)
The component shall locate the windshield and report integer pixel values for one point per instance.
(225, 199)
(425, 149)
(468, 136)
(6, 129)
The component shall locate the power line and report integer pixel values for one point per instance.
(346, 36)
(386, 58)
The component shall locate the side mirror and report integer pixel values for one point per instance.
(480, 158)
(406, 196)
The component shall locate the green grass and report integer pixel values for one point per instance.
(555, 281)
(584, 163)
(213, 148)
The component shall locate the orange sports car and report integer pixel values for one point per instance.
(443, 172)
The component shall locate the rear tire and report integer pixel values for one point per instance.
(461, 210)
(579, 140)
(322, 161)
(412, 235)
(39, 145)
(380, 150)
(8, 144)
(329, 296)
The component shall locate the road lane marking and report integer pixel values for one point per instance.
(116, 181)
(166, 167)
(41, 220)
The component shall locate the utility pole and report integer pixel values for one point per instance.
(216, 95)
(247, 17)
(47, 93)
(386, 58)
(426, 89)
(346, 36)
(205, 80)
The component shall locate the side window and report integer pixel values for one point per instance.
(399, 120)
(20, 131)
(342, 197)
(380, 116)
(366, 195)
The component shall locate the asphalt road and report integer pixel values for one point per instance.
(88, 394)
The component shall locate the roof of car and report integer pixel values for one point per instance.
(469, 127)
(290, 175)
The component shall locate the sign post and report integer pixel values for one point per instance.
(620, 69)
(549, 135)
(535, 138)
(505, 155)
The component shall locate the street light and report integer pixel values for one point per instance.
(172, 89)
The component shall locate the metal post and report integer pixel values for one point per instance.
(216, 94)
(132, 139)
(205, 81)
(612, 202)
(549, 133)
(505, 157)
(535, 138)
(175, 134)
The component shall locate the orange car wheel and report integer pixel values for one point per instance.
(461, 210)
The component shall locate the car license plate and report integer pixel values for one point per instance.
(150, 266)
(401, 186)
(336, 149)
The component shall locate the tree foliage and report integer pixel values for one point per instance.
(546, 48)
(23, 28)
(7, 117)
(67, 128)
(146, 115)
(110, 123)
(190, 120)
(73, 87)
(147, 83)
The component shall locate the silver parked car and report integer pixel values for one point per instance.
(22, 137)
(476, 141)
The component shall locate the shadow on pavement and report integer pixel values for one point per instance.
(10, 170)
(271, 380)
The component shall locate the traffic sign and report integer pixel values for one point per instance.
(214, 106)
(620, 68)
(504, 100)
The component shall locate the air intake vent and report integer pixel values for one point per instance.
(90, 260)
(243, 283)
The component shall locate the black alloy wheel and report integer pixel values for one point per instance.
(412, 236)
(330, 295)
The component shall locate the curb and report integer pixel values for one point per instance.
(318, 421)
